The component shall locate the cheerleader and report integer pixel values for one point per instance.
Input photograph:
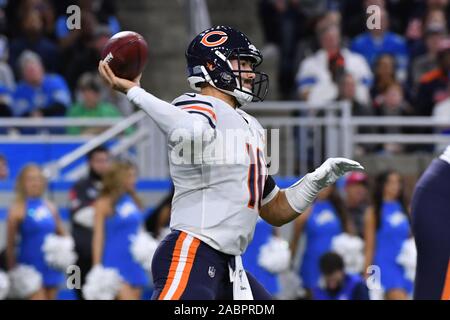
(264, 232)
(386, 228)
(31, 219)
(324, 220)
(119, 217)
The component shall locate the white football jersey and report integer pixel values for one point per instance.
(219, 191)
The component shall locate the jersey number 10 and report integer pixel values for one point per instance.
(256, 177)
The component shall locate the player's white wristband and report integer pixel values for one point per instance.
(302, 193)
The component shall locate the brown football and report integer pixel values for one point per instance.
(126, 53)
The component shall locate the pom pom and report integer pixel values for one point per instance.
(25, 281)
(59, 251)
(291, 286)
(275, 256)
(407, 258)
(102, 284)
(4, 285)
(143, 247)
(351, 249)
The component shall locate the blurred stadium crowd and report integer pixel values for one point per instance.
(326, 54)
(48, 70)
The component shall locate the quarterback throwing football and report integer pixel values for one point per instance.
(216, 204)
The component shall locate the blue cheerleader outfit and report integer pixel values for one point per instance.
(119, 229)
(263, 232)
(353, 288)
(394, 229)
(38, 223)
(323, 224)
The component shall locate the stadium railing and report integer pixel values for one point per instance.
(305, 136)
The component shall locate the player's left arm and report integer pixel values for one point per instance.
(283, 206)
(278, 211)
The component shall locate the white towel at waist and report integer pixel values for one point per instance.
(238, 276)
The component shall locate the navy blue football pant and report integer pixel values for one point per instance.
(431, 226)
(186, 268)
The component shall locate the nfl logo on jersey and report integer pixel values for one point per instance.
(211, 271)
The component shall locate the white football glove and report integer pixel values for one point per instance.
(332, 169)
(301, 194)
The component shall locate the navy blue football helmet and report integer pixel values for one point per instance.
(208, 61)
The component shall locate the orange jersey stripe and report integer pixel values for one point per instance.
(209, 111)
(249, 187)
(187, 269)
(446, 291)
(174, 264)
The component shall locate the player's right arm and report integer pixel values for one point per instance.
(167, 116)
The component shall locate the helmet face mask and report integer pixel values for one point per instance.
(211, 63)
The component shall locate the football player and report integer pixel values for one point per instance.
(431, 224)
(217, 202)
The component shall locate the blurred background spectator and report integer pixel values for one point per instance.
(347, 92)
(90, 105)
(427, 61)
(318, 74)
(7, 80)
(357, 199)
(394, 104)
(104, 12)
(377, 41)
(33, 38)
(424, 12)
(355, 14)
(441, 111)
(81, 199)
(86, 59)
(39, 94)
(283, 25)
(384, 76)
(336, 284)
(433, 85)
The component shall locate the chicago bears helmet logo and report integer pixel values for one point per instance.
(207, 43)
